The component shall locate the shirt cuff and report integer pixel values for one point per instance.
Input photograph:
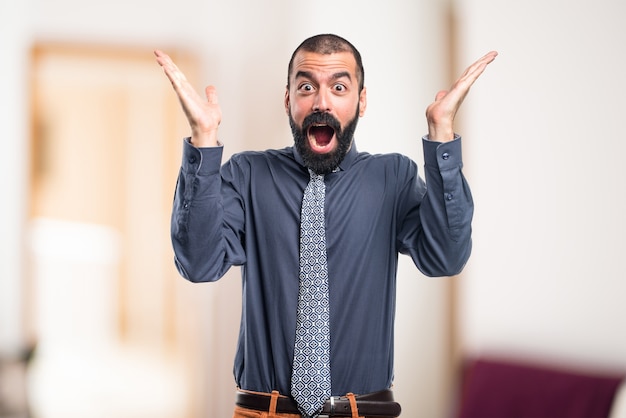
(443, 155)
(201, 161)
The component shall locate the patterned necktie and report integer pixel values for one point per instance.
(310, 381)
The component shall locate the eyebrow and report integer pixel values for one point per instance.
(336, 76)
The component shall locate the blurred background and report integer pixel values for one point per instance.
(94, 320)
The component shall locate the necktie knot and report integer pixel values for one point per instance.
(316, 178)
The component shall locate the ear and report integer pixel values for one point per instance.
(287, 100)
(362, 102)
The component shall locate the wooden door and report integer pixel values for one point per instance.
(105, 152)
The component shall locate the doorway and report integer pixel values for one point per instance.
(106, 304)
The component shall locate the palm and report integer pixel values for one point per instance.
(440, 114)
(204, 115)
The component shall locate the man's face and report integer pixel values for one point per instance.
(323, 104)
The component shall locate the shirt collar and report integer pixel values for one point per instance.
(344, 165)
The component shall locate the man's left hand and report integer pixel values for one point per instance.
(440, 114)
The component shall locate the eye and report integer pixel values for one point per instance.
(306, 87)
(340, 88)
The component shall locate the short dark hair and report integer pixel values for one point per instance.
(329, 44)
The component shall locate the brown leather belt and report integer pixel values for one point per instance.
(376, 404)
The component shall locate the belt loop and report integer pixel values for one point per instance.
(353, 407)
(273, 403)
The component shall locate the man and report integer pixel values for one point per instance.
(317, 229)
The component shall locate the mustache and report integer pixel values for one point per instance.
(319, 118)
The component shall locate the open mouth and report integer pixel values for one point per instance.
(320, 137)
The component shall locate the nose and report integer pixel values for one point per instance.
(322, 102)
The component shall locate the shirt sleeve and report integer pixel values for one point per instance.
(440, 222)
(205, 246)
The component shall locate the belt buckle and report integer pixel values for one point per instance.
(332, 408)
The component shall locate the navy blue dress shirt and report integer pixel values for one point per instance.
(247, 213)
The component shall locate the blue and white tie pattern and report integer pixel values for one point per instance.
(310, 381)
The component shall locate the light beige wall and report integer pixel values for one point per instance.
(544, 154)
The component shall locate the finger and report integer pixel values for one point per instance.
(462, 86)
(162, 58)
(177, 78)
(187, 95)
(453, 98)
(485, 59)
(440, 95)
(211, 94)
(489, 56)
(166, 63)
(476, 69)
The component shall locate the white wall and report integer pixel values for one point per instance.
(544, 152)
(14, 39)
(244, 47)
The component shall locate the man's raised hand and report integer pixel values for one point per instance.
(440, 114)
(204, 115)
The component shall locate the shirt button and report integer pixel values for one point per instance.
(186, 204)
(449, 196)
(445, 155)
(192, 159)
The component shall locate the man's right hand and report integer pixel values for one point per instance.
(204, 116)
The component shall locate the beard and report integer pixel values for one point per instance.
(323, 163)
